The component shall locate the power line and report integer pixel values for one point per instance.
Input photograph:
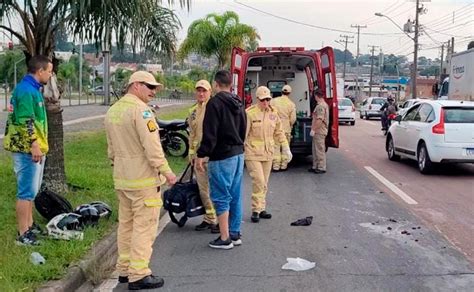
(448, 15)
(394, 16)
(372, 18)
(447, 34)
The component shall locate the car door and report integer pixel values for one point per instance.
(237, 68)
(400, 131)
(417, 126)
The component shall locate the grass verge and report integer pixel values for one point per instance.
(88, 168)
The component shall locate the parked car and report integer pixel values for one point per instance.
(371, 107)
(406, 105)
(433, 131)
(346, 111)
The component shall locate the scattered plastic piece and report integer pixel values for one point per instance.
(303, 222)
(298, 264)
(37, 259)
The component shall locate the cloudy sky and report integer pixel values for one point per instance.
(315, 23)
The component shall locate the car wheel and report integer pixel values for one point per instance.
(424, 162)
(353, 123)
(391, 150)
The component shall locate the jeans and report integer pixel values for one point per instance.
(29, 175)
(225, 183)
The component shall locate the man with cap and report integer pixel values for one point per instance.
(287, 112)
(263, 129)
(195, 120)
(319, 131)
(140, 168)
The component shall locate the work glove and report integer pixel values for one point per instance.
(288, 153)
(312, 133)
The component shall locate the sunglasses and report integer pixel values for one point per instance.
(265, 99)
(149, 86)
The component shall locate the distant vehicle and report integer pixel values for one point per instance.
(433, 131)
(99, 90)
(346, 111)
(370, 107)
(305, 71)
(459, 85)
(407, 104)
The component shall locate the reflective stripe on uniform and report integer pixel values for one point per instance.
(153, 202)
(257, 142)
(124, 257)
(116, 113)
(139, 264)
(258, 195)
(136, 183)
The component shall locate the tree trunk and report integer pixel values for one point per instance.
(54, 177)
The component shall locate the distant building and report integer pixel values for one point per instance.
(424, 87)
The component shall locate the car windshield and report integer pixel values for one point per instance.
(459, 115)
(345, 102)
(380, 101)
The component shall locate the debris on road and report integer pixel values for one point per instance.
(303, 222)
(298, 264)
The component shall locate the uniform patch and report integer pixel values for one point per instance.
(151, 126)
(147, 114)
(272, 117)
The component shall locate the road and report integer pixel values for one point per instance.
(364, 236)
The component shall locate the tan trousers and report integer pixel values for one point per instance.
(259, 171)
(319, 152)
(139, 213)
(202, 179)
(280, 159)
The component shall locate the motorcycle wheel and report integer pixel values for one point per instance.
(178, 145)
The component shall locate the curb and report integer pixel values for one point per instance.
(97, 263)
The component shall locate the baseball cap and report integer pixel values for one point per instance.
(263, 92)
(145, 77)
(203, 84)
(286, 89)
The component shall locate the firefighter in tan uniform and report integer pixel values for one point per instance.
(140, 168)
(319, 131)
(287, 112)
(195, 119)
(263, 128)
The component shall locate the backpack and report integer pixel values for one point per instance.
(49, 204)
(183, 197)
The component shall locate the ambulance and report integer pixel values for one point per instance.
(305, 71)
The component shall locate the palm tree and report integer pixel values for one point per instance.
(144, 23)
(216, 35)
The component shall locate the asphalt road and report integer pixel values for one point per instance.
(363, 236)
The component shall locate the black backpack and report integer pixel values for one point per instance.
(49, 204)
(183, 197)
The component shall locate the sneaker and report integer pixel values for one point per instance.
(123, 279)
(236, 239)
(149, 282)
(203, 226)
(265, 215)
(319, 171)
(254, 218)
(221, 244)
(275, 170)
(36, 229)
(215, 228)
(311, 170)
(27, 239)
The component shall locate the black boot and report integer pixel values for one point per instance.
(255, 218)
(149, 282)
(265, 215)
(123, 279)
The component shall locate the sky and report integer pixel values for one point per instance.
(294, 23)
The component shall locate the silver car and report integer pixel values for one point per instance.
(370, 107)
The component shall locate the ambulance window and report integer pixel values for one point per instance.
(235, 83)
(238, 61)
(325, 61)
(329, 91)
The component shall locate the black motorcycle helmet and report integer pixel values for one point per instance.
(104, 210)
(89, 214)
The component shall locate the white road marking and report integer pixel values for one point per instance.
(391, 186)
(371, 122)
(110, 284)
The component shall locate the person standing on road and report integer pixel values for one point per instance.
(223, 142)
(287, 112)
(195, 119)
(140, 168)
(26, 135)
(319, 131)
(263, 130)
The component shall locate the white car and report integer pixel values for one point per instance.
(407, 104)
(433, 131)
(346, 111)
(371, 107)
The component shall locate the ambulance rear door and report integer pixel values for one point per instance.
(237, 68)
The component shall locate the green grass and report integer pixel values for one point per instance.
(87, 167)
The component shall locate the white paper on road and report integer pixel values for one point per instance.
(298, 264)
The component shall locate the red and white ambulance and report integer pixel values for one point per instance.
(305, 71)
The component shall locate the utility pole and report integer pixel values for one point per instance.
(415, 53)
(441, 66)
(371, 69)
(357, 57)
(346, 37)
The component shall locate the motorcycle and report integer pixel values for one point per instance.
(172, 135)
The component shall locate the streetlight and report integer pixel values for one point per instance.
(415, 53)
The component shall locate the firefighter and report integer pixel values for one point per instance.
(140, 168)
(263, 128)
(319, 131)
(287, 112)
(195, 119)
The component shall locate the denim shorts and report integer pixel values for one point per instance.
(29, 175)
